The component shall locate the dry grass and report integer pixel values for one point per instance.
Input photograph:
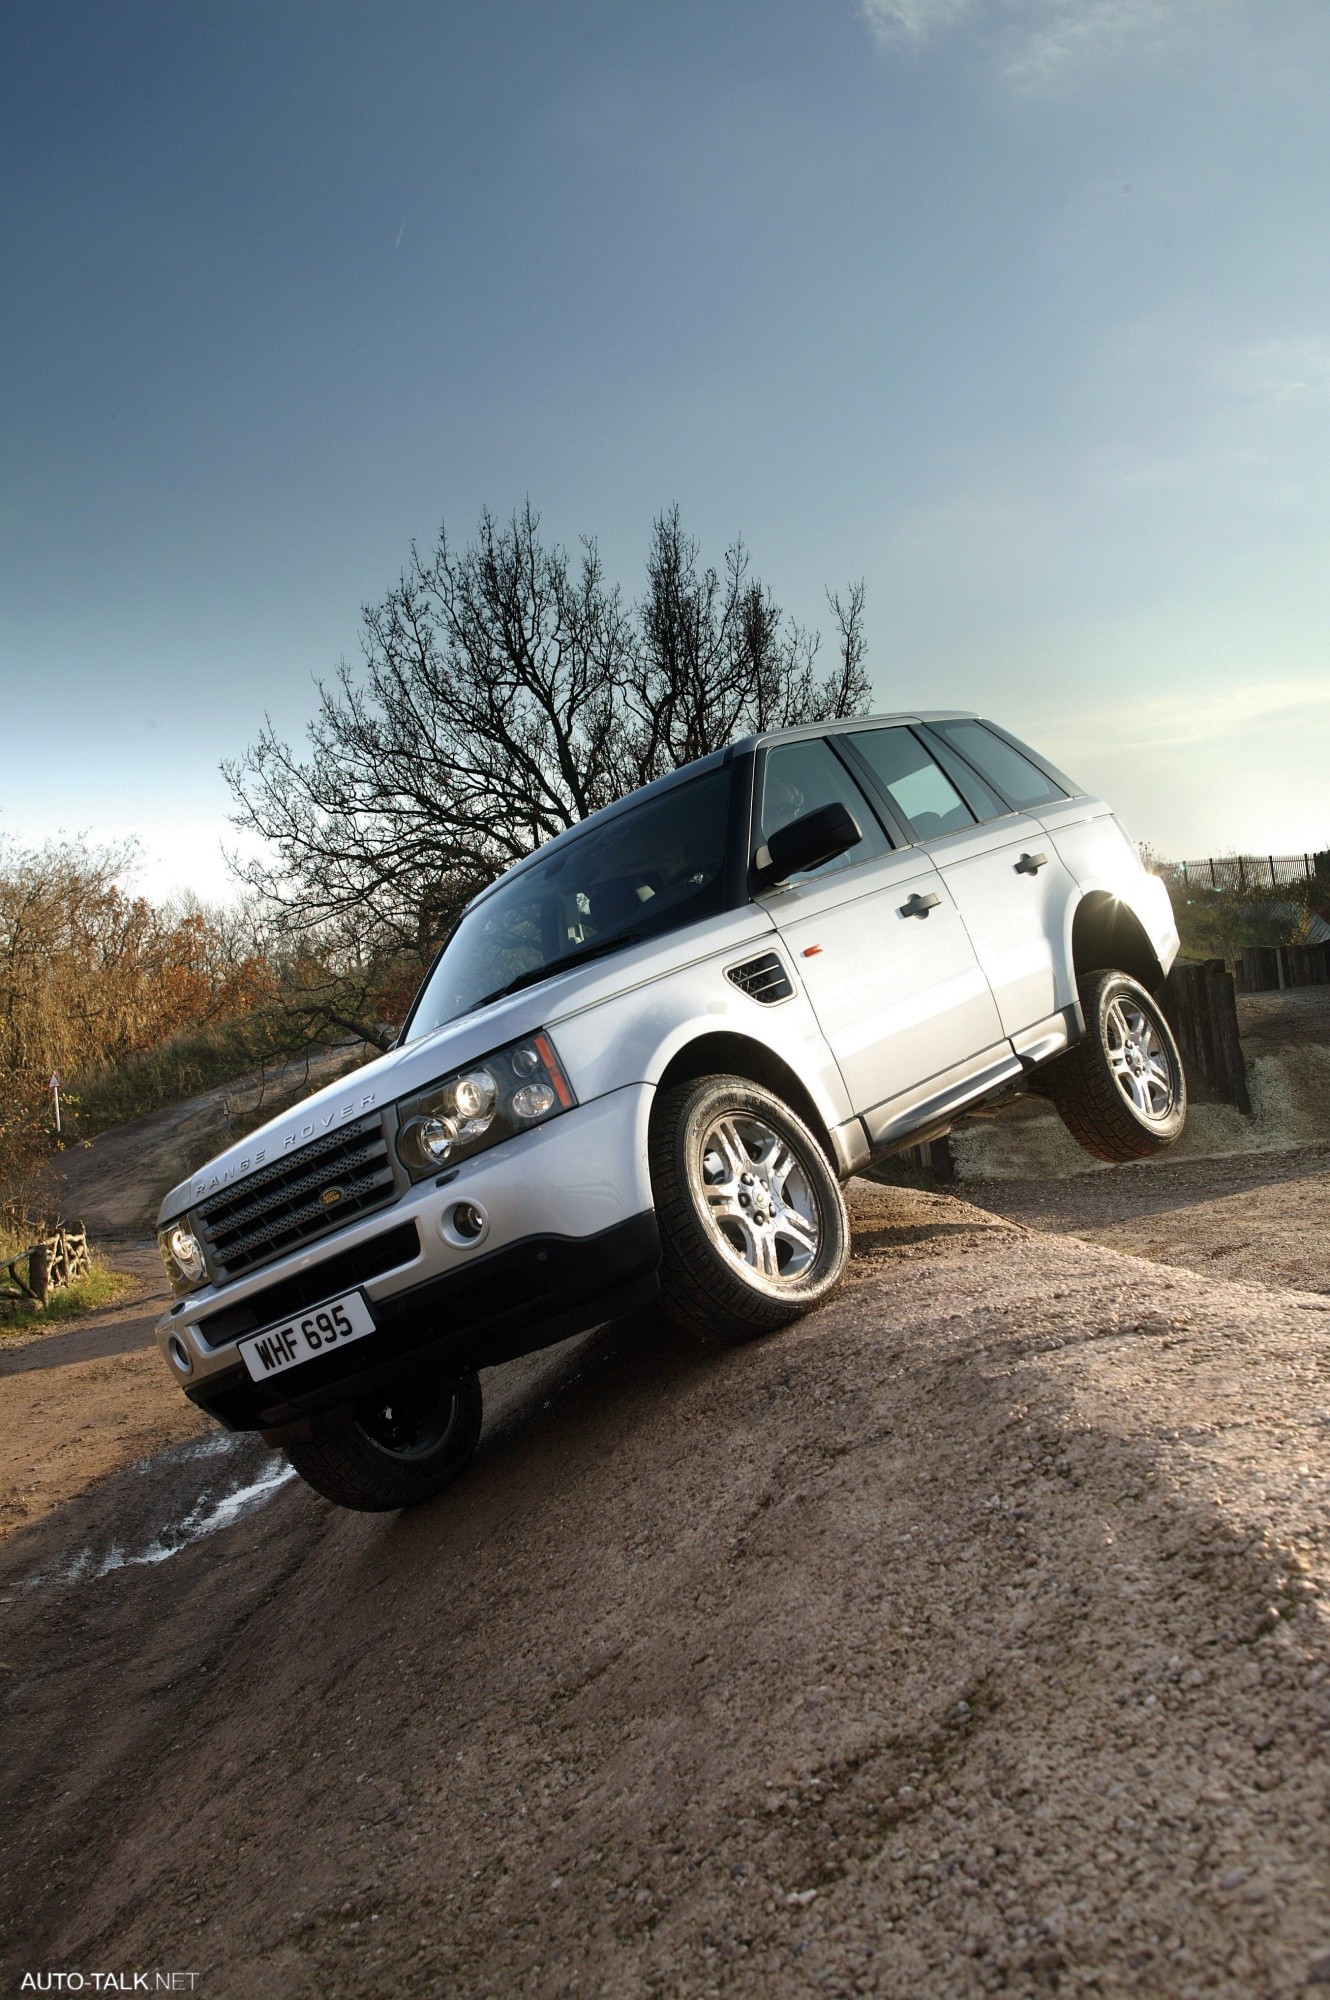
(101, 1287)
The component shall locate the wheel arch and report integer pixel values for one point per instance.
(1107, 935)
(732, 1054)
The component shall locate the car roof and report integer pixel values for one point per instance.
(767, 737)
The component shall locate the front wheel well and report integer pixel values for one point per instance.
(1108, 936)
(737, 1055)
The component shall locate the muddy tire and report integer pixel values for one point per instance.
(401, 1447)
(1121, 1092)
(753, 1226)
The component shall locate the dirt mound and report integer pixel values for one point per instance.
(1286, 1044)
(965, 1638)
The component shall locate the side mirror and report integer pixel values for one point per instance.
(806, 843)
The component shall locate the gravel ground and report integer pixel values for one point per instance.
(1263, 1218)
(966, 1638)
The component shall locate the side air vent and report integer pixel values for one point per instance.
(763, 979)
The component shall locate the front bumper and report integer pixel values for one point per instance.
(571, 1239)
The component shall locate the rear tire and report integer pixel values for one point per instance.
(1121, 1091)
(401, 1447)
(753, 1226)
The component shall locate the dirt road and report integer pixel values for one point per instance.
(966, 1638)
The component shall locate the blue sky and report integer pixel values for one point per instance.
(1020, 309)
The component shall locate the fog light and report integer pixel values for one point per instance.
(464, 1225)
(180, 1354)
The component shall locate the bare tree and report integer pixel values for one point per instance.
(848, 689)
(506, 693)
(716, 659)
(487, 719)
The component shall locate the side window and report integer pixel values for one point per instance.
(799, 777)
(920, 790)
(998, 761)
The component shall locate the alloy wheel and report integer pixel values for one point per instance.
(757, 1198)
(1139, 1060)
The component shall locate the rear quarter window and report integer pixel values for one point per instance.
(1015, 775)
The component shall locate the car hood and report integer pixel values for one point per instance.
(368, 1089)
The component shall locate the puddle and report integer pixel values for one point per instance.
(209, 1513)
(203, 1520)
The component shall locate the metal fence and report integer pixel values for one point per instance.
(1248, 871)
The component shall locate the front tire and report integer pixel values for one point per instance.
(401, 1447)
(1121, 1091)
(753, 1226)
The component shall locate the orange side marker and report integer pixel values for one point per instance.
(812, 950)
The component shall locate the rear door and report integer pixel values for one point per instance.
(1004, 873)
(886, 961)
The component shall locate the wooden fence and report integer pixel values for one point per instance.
(1269, 968)
(52, 1262)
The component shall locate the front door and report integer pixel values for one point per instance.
(885, 958)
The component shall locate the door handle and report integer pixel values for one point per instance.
(919, 906)
(1030, 864)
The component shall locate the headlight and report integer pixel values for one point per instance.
(485, 1103)
(182, 1254)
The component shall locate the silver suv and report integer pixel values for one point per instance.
(642, 1065)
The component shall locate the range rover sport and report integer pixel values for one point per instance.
(643, 1064)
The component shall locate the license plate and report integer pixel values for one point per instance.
(312, 1333)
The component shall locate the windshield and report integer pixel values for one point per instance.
(652, 869)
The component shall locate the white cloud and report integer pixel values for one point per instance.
(912, 20)
(1177, 721)
(1060, 37)
(1280, 373)
(1042, 42)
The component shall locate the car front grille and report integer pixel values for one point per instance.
(317, 1189)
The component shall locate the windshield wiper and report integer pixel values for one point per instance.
(536, 973)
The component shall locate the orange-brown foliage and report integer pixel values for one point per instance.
(92, 975)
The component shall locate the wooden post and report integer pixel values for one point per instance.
(38, 1273)
(1260, 968)
(1199, 1000)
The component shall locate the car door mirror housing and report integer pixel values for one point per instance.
(806, 843)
